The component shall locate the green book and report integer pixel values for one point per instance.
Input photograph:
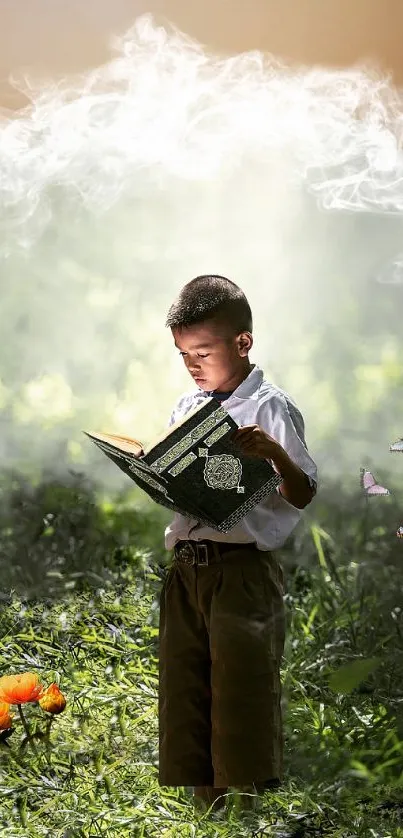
(195, 468)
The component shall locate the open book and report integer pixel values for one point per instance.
(194, 468)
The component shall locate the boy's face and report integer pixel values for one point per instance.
(214, 359)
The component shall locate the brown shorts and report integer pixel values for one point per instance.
(221, 640)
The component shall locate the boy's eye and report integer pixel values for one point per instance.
(199, 356)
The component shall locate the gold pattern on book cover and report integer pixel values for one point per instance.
(222, 471)
(189, 440)
(191, 457)
(217, 434)
(182, 464)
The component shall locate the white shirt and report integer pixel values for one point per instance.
(254, 402)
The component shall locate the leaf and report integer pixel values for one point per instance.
(347, 677)
(317, 534)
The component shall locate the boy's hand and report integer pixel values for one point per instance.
(255, 442)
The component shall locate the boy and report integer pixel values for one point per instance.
(222, 620)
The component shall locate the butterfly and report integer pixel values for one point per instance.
(399, 532)
(370, 485)
(397, 446)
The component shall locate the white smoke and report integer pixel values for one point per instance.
(119, 186)
(164, 103)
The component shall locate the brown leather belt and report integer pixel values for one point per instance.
(206, 552)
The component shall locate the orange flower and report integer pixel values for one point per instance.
(18, 689)
(52, 700)
(5, 716)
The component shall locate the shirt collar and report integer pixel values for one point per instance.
(249, 387)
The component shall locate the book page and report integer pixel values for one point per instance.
(125, 443)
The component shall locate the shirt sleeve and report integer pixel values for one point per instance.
(281, 418)
(179, 409)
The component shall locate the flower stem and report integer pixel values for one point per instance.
(47, 739)
(27, 730)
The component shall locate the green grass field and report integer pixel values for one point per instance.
(81, 576)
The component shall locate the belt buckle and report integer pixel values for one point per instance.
(204, 547)
(186, 553)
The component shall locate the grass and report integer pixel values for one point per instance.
(80, 583)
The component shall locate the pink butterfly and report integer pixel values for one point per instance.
(370, 485)
(399, 532)
(397, 446)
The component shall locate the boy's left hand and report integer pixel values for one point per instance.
(255, 442)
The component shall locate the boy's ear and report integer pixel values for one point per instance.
(245, 341)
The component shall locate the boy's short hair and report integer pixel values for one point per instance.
(211, 297)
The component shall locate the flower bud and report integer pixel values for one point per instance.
(52, 700)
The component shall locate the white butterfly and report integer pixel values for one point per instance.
(369, 484)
